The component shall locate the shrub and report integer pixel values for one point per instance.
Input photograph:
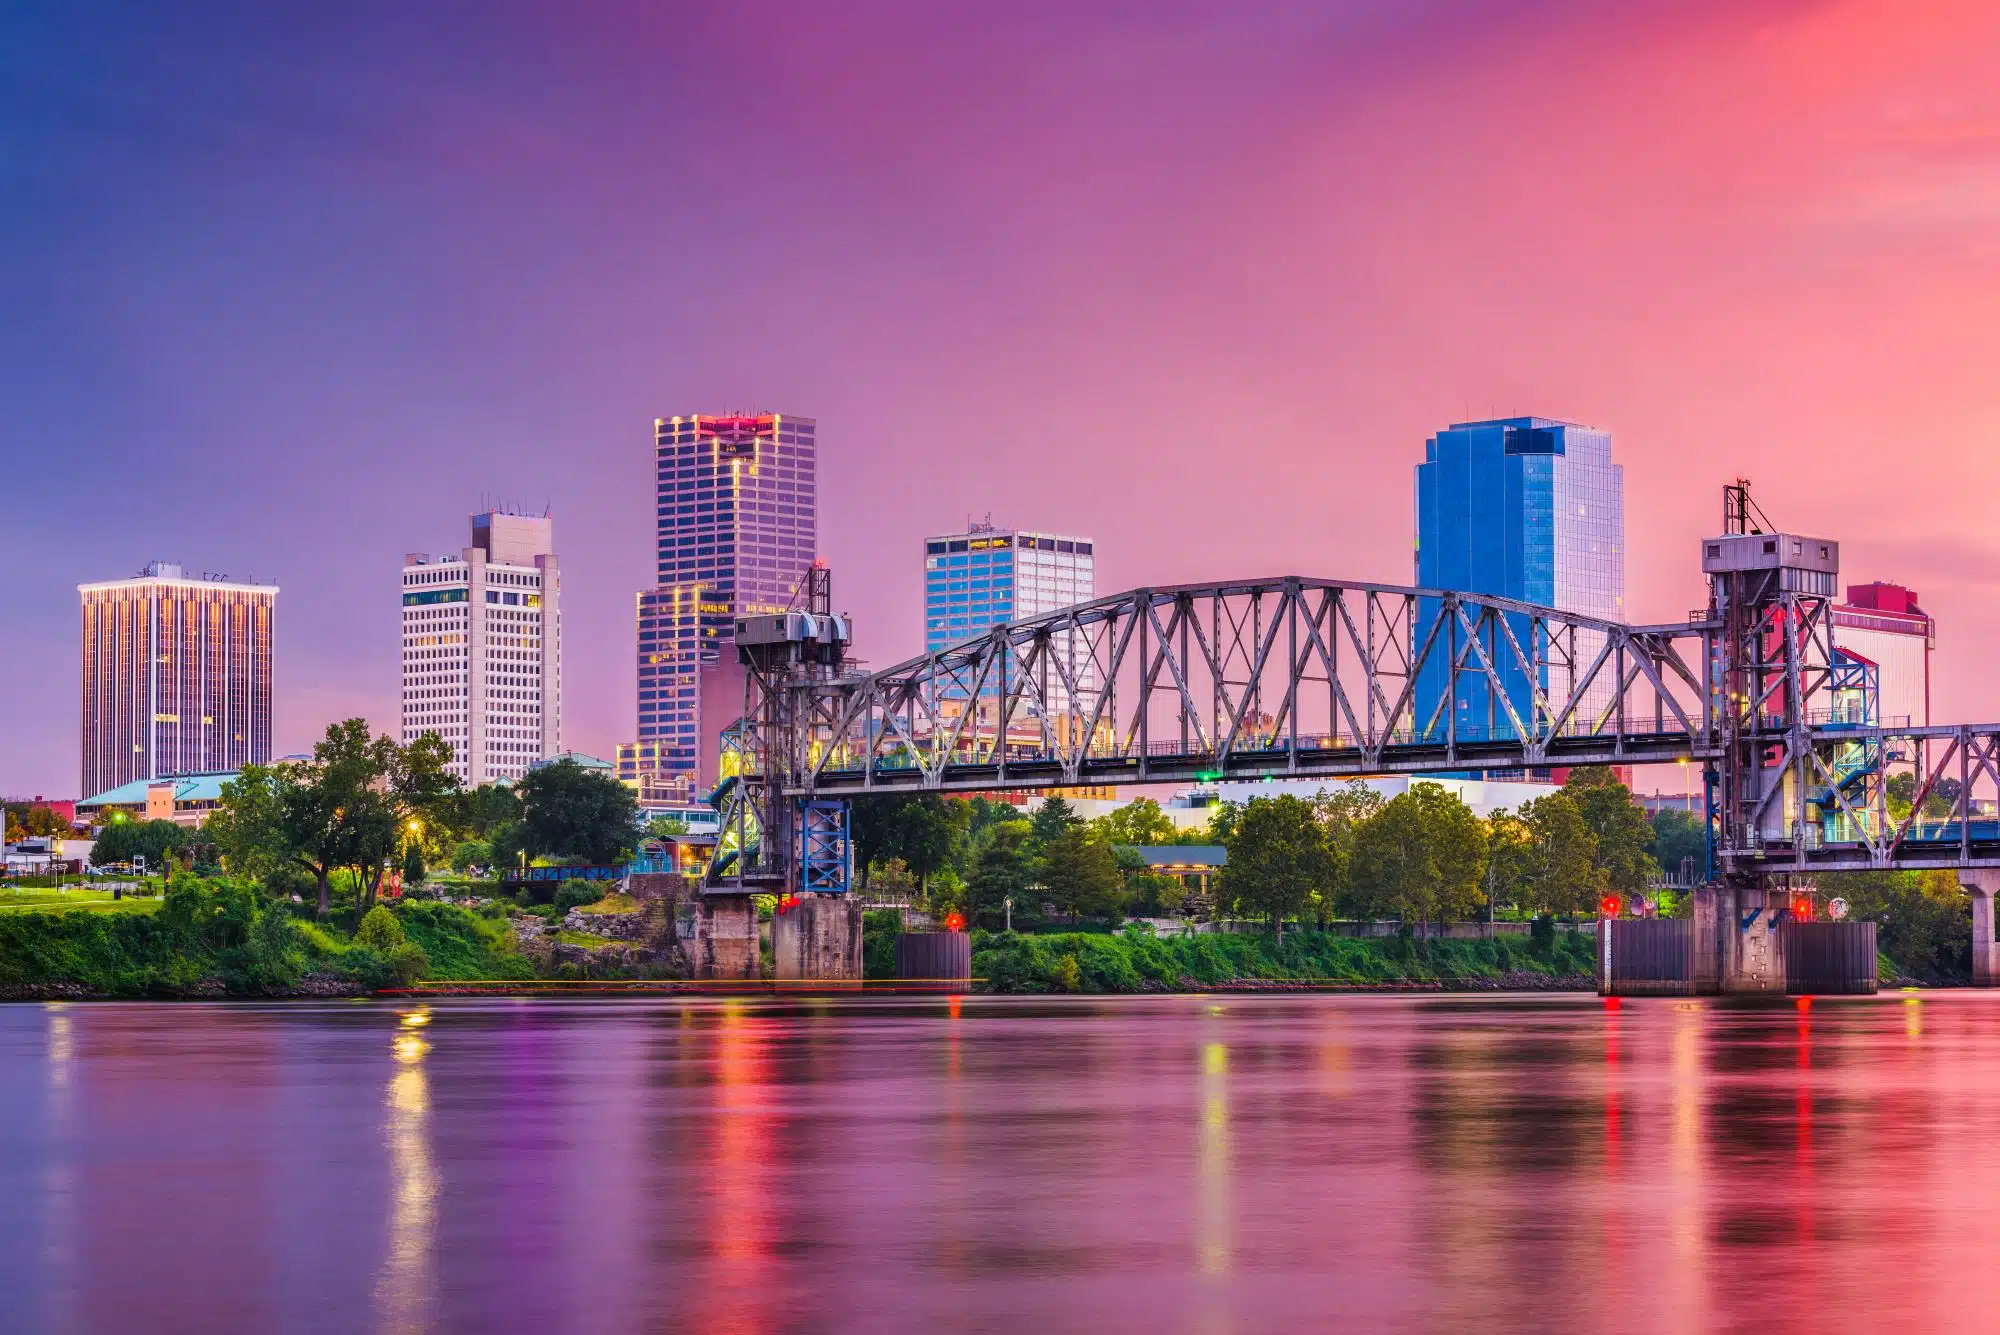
(574, 894)
(879, 930)
(379, 931)
(407, 962)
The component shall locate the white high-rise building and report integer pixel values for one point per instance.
(482, 648)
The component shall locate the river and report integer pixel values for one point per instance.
(1203, 1164)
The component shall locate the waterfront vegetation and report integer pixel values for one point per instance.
(1136, 960)
(287, 890)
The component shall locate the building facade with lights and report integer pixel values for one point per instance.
(177, 675)
(737, 525)
(987, 576)
(482, 648)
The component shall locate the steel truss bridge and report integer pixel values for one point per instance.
(1294, 677)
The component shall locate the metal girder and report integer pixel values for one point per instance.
(1283, 677)
(1297, 677)
(1835, 821)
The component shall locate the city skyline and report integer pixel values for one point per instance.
(1204, 327)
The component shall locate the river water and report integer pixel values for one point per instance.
(1200, 1164)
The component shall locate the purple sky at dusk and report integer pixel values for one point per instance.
(287, 290)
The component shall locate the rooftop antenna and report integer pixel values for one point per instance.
(1739, 511)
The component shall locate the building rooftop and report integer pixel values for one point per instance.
(577, 757)
(1182, 855)
(187, 788)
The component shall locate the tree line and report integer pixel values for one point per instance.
(363, 804)
(1346, 853)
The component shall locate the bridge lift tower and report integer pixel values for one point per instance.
(1770, 671)
(799, 850)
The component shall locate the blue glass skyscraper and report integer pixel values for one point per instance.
(1525, 508)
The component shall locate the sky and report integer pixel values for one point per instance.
(288, 290)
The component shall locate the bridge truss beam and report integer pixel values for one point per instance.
(1282, 677)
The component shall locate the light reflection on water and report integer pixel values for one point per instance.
(405, 1294)
(1159, 1164)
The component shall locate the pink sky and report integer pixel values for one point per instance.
(1194, 280)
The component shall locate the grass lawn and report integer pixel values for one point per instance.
(76, 898)
(587, 940)
(611, 903)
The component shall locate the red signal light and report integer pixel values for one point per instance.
(1611, 905)
(954, 921)
(1802, 907)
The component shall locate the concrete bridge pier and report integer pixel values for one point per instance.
(1751, 950)
(725, 943)
(817, 938)
(1982, 884)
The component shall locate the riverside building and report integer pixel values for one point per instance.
(736, 526)
(176, 676)
(482, 648)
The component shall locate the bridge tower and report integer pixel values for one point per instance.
(1770, 666)
(774, 843)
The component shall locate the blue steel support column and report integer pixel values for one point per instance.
(826, 850)
(1708, 823)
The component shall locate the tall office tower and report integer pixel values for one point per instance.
(988, 576)
(176, 676)
(738, 523)
(1525, 508)
(482, 648)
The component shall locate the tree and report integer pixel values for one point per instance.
(984, 814)
(469, 853)
(1222, 819)
(1924, 919)
(1901, 791)
(1052, 818)
(1080, 873)
(1553, 868)
(26, 821)
(928, 832)
(1421, 857)
(1340, 814)
(571, 812)
(1001, 871)
(1279, 857)
(872, 824)
(345, 808)
(124, 840)
(1137, 824)
(476, 813)
(1677, 837)
(1620, 824)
